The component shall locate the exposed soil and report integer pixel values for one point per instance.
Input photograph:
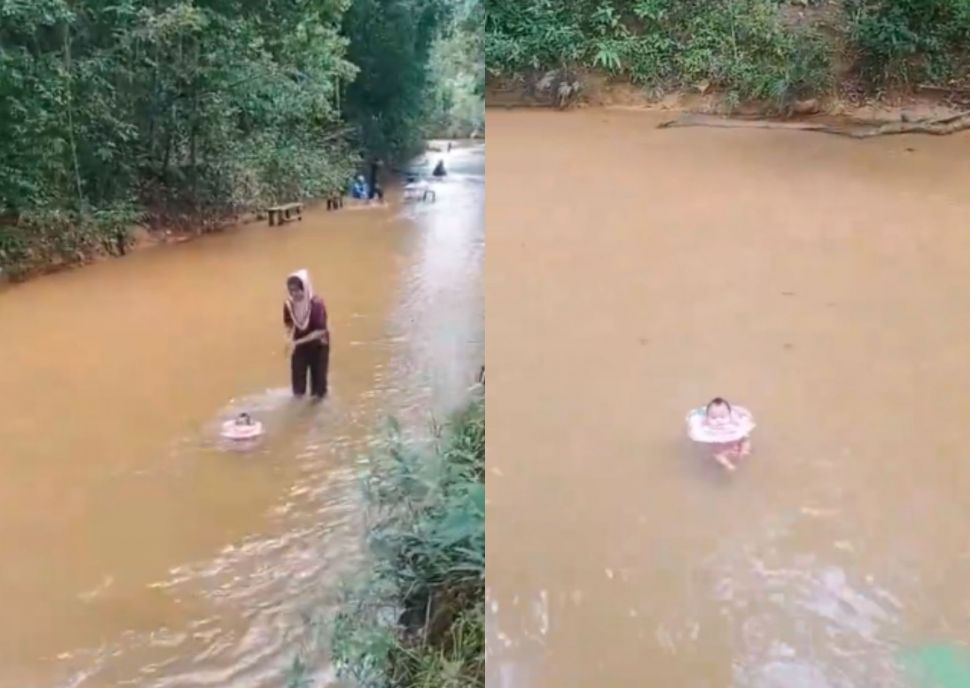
(598, 90)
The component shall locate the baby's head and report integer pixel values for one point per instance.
(718, 411)
(244, 419)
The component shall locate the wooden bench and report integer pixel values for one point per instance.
(284, 213)
(414, 191)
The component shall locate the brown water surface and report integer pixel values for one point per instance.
(134, 549)
(635, 273)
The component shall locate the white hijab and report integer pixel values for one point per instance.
(300, 310)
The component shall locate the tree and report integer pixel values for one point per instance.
(390, 42)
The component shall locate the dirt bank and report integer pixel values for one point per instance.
(591, 89)
(138, 238)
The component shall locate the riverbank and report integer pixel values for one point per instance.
(737, 56)
(593, 89)
(417, 616)
(41, 252)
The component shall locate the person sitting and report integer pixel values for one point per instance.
(358, 190)
(439, 169)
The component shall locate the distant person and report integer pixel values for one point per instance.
(439, 169)
(358, 189)
(308, 339)
(724, 428)
(449, 146)
(375, 188)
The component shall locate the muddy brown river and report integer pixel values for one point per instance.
(134, 549)
(635, 273)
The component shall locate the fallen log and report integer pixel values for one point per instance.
(953, 94)
(942, 126)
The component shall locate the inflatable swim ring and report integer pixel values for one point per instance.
(737, 428)
(242, 428)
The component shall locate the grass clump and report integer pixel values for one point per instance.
(906, 42)
(417, 618)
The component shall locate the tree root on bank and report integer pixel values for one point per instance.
(942, 126)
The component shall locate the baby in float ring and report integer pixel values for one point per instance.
(242, 427)
(726, 429)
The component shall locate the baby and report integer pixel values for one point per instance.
(725, 428)
(242, 428)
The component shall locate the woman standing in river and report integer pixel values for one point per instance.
(308, 339)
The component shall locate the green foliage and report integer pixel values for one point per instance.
(908, 41)
(456, 74)
(417, 618)
(53, 236)
(535, 34)
(738, 46)
(206, 107)
(201, 108)
(390, 42)
(112, 96)
(741, 47)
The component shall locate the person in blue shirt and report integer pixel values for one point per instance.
(359, 189)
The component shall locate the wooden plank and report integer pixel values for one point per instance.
(282, 213)
(285, 207)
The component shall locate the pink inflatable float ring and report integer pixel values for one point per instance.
(242, 428)
(737, 428)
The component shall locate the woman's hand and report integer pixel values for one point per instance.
(322, 336)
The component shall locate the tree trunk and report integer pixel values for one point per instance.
(68, 67)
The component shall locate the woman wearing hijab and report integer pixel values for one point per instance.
(305, 319)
